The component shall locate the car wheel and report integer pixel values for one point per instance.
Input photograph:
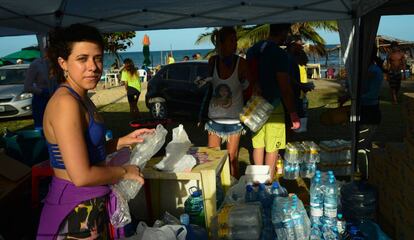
(158, 110)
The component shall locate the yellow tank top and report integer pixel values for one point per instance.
(132, 80)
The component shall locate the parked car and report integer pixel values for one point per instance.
(14, 102)
(173, 89)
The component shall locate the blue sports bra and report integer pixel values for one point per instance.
(95, 140)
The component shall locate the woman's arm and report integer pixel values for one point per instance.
(68, 128)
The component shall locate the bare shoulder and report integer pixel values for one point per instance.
(63, 104)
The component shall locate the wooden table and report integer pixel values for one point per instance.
(205, 173)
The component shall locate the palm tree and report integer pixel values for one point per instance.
(249, 35)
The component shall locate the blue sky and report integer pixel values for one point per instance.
(395, 26)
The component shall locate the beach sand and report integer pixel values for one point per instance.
(115, 94)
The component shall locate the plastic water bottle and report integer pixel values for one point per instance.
(316, 201)
(329, 233)
(288, 225)
(194, 232)
(298, 222)
(278, 191)
(194, 206)
(250, 194)
(331, 199)
(340, 224)
(315, 233)
(263, 196)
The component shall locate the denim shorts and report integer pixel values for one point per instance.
(224, 130)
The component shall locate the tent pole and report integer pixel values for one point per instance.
(356, 89)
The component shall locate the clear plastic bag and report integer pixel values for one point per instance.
(126, 190)
(140, 155)
(121, 216)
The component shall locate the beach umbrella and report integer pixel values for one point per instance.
(27, 54)
(146, 51)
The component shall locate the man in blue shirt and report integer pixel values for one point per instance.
(273, 84)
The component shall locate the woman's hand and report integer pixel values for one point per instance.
(133, 137)
(132, 172)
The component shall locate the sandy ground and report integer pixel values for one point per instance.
(113, 94)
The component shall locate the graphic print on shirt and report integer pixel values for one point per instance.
(222, 96)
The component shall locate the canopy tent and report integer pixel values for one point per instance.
(125, 15)
(358, 21)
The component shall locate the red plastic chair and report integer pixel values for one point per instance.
(39, 171)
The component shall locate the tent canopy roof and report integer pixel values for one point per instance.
(125, 15)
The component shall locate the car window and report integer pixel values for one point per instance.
(12, 76)
(180, 72)
(202, 71)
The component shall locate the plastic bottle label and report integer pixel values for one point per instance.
(316, 212)
(331, 213)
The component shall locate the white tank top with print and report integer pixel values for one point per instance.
(227, 100)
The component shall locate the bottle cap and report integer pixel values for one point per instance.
(185, 219)
(262, 186)
(275, 184)
(249, 188)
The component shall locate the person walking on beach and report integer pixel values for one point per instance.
(395, 64)
(229, 79)
(80, 202)
(132, 81)
(273, 84)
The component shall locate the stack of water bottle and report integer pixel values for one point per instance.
(290, 219)
(265, 194)
(300, 159)
(255, 113)
(326, 222)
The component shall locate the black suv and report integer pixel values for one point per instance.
(173, 90)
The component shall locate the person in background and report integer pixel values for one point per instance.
(330, 73)
(79, 202)
(132, 86)
(370, 109)
(186, 58)
(299, 79)
(39, 83)
(395, 64)
(229, 79)
(273, 85)
(170, 58)
(196, 56)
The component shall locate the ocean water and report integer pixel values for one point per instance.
(158, 57)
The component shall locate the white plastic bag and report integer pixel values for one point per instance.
(166, 232)
(176, 159)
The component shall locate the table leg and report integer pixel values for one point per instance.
(208, 182)
(152, 197)
(225, 175)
